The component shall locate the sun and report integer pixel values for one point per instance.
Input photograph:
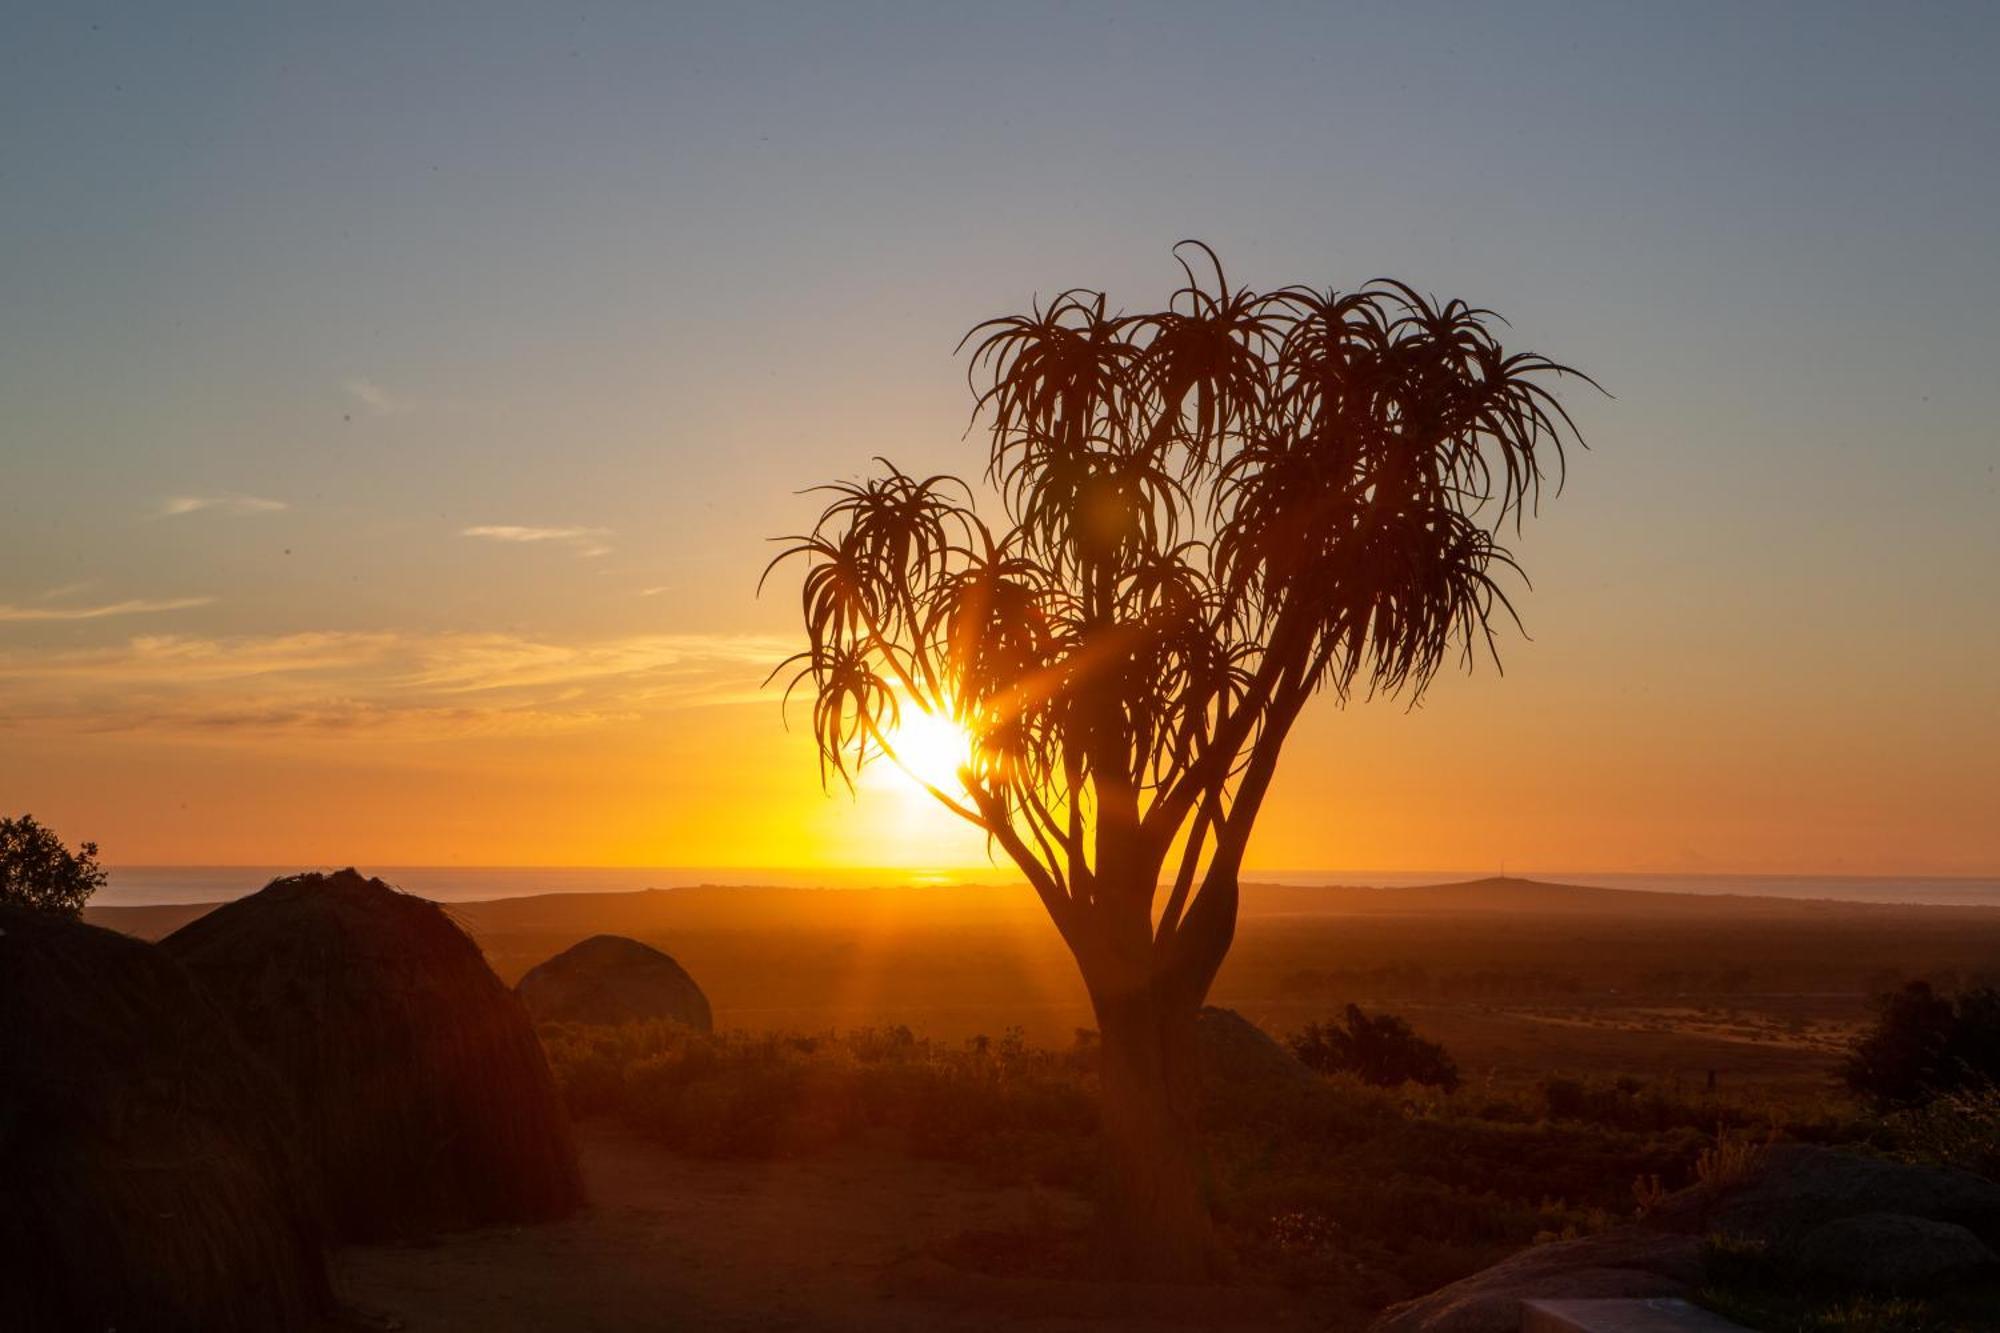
(932, 748)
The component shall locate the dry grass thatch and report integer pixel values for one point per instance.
(427, 1099)
(146, 1160)
(609, 979)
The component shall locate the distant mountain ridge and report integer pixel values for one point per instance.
(717, 907)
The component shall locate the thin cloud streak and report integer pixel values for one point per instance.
(375, 398)
(137, 606)
(587, 543)
(228, 502)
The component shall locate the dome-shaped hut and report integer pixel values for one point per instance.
(427, 1101)
(1237, 1059)
(147, 1165)
(608, 979)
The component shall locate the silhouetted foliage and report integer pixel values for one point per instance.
(1207, 514)
(38, 872)
(1380, 1049)
(1925, 1045)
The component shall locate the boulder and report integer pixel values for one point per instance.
(1890, 1252)
(1795, 1187)
(608, 980)
(1629, 1262)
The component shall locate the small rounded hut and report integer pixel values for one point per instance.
(608, 979)
(146, 1158)
(427, 1101)
(1238, 1060)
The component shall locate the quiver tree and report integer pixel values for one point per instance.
(1201, 518)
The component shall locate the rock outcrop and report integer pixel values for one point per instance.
(1837, 1219)
(1630, 1262)
(1889, 1253)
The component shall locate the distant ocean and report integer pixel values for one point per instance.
(134, 886)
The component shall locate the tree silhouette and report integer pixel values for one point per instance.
(1207, 515)
(38, 872)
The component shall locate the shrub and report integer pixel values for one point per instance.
(1635, 1105)
(1000, 1105)
(39, 873)
(1367, 1195)
(1925, 1045)
(1960, 1129)
(1382, 1050)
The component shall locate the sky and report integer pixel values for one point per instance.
(399, 399)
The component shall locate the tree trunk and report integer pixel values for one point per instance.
(1153, 1221)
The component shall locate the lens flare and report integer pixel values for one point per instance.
(932, 748)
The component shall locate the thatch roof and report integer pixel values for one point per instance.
(608, 979)
(147, 1174)
(1238, 1058)
(427, 1100)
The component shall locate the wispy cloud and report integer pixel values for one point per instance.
(375, 397)
(228, 502)
(656, 590)
(586, 542)
(415, 687)
(137, 606)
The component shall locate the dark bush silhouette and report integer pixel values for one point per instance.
(1200, 518)
(1380, 1049)
(1925, 1045)
(39, 873)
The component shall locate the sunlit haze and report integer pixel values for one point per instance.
(399, 408)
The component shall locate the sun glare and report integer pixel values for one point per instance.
(932, 748)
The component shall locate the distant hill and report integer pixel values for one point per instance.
(1502, 895)
(711, 907)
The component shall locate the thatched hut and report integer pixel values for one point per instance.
(147, 1172)
(1238, 1060)
(608, 979)
(427, 1101)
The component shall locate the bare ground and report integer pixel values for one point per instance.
(839, 1242)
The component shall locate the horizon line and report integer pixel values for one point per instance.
(1249, 875)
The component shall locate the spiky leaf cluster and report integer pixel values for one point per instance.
(1206, 514)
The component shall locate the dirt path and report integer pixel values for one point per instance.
(672, 1243)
